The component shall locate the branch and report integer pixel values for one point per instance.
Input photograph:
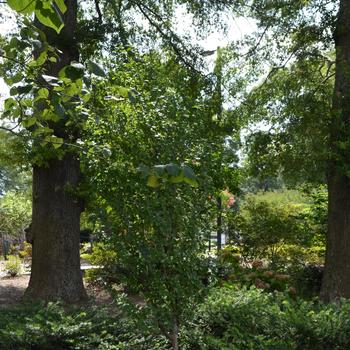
(11, 130)
(98, 10)
(255, 47)
(166, 36)
(11, 59)
(283, 65)
(321, 84)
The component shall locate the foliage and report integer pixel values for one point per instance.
(250, 319)
(48, 13)
(37, 326)
(291, 57)
(15, 213)
(26, 252)
(233, 273)
(260, 228)
(14, 175)
(13, 266)
(307, 280)
(318, 211)
(103, 256)
(153, 216)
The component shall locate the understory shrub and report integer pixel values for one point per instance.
(13, 266)
(228, 319)
(283, 234)
(250, 319)
(51, 327)
(261, 227)
(15, 213)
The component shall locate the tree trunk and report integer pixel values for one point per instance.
(56, 273)
(175, 336)
(336, 280)
(219, 224)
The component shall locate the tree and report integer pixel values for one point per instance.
(156, 218)
(336, 281)
(297, 40)
(55, 120)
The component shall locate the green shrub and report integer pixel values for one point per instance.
(102, 255)
(51, 327)
(15, 213)
(285, 234)
(26, 252)
(250, 319)
(227, 320)
(260, 227)
(13, 266)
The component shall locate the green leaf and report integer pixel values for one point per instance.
(189, 176)
(59, 110)
(177, 179)
(152, 181)
(57, 142)
(10, 103)
(95, 69)
(24, 89)
(144, 170)
(29, 122)
(22, 6)
(18, 90)
(13, 43)
(122, 91)
(49, 16)
(43, 93)
(61, 5)
(73, 72)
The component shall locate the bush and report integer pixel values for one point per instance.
(15, 213)
(26, 252)
(39, 327)
(260, 227)
(286, 234)
(227, 320)
(250, 319)
(13, 266)
(103, 256)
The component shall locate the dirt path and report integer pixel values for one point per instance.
(12, 290)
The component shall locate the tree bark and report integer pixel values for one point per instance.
(56, 273)
(336, 280)
(55, 228)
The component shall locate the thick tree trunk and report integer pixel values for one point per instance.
(336, 280)
(55, 228)
(56, 273)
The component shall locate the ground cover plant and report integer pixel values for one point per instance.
(227, 319)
